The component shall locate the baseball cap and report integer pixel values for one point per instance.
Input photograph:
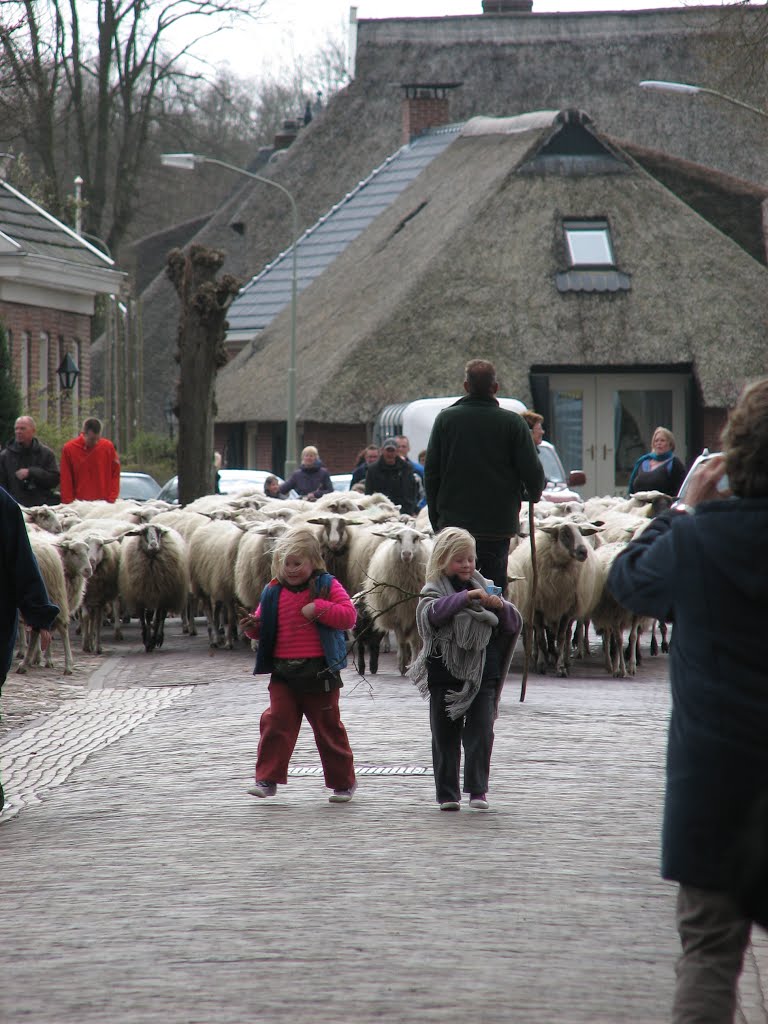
(389, 442)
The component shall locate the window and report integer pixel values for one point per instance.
(589, 243)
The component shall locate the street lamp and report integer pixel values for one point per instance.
(692, 89)
(67, 373)
(188, 162)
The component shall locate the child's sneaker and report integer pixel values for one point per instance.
(450, 805)
(478, 800)
(342, 796)
(263, 789)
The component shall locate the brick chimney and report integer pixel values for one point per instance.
(425, 106)
(507, 6)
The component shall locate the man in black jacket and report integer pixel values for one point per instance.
(28, 469)
(479, 458)
(392, 476)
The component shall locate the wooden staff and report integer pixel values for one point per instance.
(528, 635)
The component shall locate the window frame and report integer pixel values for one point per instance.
(575, 225)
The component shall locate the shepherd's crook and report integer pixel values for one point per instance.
(528, 636)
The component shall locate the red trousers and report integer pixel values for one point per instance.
(280, 725)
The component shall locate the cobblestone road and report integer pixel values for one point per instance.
(144, 885)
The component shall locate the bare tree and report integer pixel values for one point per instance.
(103, 80)
(202, 326)
(741, 62)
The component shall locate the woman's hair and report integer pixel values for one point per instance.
(532, 418)
(310, 450)
(665, 433)
(301, 543)
(449, 543)
(745, 441)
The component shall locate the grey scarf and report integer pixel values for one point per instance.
(461, 643)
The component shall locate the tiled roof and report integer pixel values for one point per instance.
(27, 229)
(269, 292)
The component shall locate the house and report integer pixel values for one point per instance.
(497, 64)
(605, 300)
(50, 279)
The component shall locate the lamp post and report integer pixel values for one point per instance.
(188, 162)
(67, 374)
(693, 89)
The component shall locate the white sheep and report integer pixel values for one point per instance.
(565, 586)
(52, 571)
(101, 589)
(397, 573)
(254, 561)
(44, 517)
(154, 578)
(212, 558)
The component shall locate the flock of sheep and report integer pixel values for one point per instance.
(213, 557)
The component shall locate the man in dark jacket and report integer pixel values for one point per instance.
(706, 572)
(28, 469)
(21, 587)
(479, 457)
(392, 476)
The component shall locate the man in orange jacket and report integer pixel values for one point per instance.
(90, 468)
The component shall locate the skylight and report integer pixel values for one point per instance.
(589, 243)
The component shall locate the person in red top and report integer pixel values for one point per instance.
(90, 468)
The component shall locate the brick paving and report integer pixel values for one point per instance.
(144, 885)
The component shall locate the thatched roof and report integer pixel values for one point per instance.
(474, 273)
(507, 65)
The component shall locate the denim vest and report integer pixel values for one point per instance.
(333, 640)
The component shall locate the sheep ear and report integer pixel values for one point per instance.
(318, 521)
(550, 528)
(588, 529)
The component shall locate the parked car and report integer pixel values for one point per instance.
(230, 482)
(139, 486)
(559, 484)
(698, 462)
(341, 481)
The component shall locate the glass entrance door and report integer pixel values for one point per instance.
(602, 423)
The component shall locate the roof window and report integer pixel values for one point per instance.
(589, 243)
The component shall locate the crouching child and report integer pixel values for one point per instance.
(300, 624)
(469, 633)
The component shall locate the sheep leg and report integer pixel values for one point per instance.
(210, 618)
(69, 663)
(654, 645)
(619, 664)
(540, 644)
(374, 642)
(663, 628)
(119, 619)
(562, 637)
(27, 660)
(159, 629)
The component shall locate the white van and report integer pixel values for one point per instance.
(415, 419)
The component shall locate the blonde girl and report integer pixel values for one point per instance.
(469, 633)
(300, 625)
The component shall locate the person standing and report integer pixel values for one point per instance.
(28, 469)
(368, 456)
(536, 423)
(469, 637)
(311, 480)
(22, 588)
(479, 458)
(660, 469)
(706, 572)
(90, 468)
(393, 477)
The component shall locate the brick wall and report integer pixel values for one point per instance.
(422, 112)
(338, 443)
(66, 332)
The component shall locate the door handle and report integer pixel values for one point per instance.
(606, 449)
(591, 451)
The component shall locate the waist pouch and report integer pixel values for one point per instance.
(306, 675)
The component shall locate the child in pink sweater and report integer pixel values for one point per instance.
(300, 624)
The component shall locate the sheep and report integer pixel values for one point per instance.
(609, 617)
(184, 522)
(101, 588)
(44, 517)
(366, 636)
(565, 588)
(153, 578)
(338, 502)
(52, 571)
(254, 561)
(397, 573)
(212, 558)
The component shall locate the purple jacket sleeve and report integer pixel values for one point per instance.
(444, 608)
(510, 619)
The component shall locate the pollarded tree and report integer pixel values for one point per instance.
(204, 300)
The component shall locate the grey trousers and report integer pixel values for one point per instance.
(714, 937)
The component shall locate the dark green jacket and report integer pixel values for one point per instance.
(478, 459)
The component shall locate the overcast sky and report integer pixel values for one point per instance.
(290, 28)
